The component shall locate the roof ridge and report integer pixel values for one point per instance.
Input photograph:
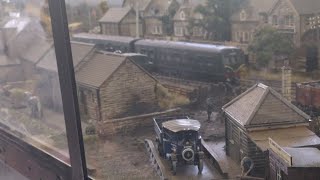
(261, 101)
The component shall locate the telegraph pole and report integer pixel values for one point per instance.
(137, 20)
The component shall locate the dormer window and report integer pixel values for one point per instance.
(182, 15)
(243, 15)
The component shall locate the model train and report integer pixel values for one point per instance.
(193, 61)
(308, 97)
(178, 141)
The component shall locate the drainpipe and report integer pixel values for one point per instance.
(137, 20)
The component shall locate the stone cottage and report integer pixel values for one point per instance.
(155, 27)
(24, 40)
(261, 113)
(120, 22)
(48, 87)
(112, 86)
(249, 17)
(292, 17)
(182, 18)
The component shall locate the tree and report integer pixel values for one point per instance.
(167, 19)
(269, 44)
(216, 17)
(103, 7)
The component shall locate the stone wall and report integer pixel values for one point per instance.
(127, 87)
(129, 124)
(88, 103)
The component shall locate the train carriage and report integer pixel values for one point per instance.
(193, 61)
(178, 140)
(122, 44)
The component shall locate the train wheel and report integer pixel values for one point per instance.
(200, 166)
(174, 167)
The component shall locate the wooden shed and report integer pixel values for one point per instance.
(261, 113)
(112, 86)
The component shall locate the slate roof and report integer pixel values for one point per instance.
(98, 69)
(5, 61)
(299, 136)
(115, 15)
(306, 6)
(36, 50)
(143, 4)
(261, 106)
(253, 8)
(79, 52)
(188, 9)
(304, 157)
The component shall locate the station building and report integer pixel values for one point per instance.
(261, 113)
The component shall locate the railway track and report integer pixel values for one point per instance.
(162, 167)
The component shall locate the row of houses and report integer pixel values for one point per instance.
(153, 19)
(109, 85)
(295, 18)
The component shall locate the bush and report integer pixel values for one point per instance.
(90, 130)
(18, 97)
(168, 100)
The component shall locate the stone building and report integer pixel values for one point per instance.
(120, 22)
(23, 40)
(155, 27)
(292, 17)
(182, 19)
(48, 87)
(261, 113)
(112, 86)
(248, 18)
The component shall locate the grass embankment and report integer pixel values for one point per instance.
(277, 76)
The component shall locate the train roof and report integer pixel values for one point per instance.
(184, 45)
(100, 37)
(182, 125)
(315, 84)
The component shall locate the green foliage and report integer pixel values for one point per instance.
(17, 96)
(103, 7)
(167, 100)
(167, 19)
(216, 17)
(269, 44)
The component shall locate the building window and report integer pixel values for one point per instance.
(275, 20)
(178, 31)
(243, 15)
(264, 18)
(182, 15)
(289, 20)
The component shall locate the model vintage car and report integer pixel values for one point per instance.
(178, 140)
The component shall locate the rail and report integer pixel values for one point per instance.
(213, 159)
(155, 160)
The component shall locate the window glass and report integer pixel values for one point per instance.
(30, 97)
